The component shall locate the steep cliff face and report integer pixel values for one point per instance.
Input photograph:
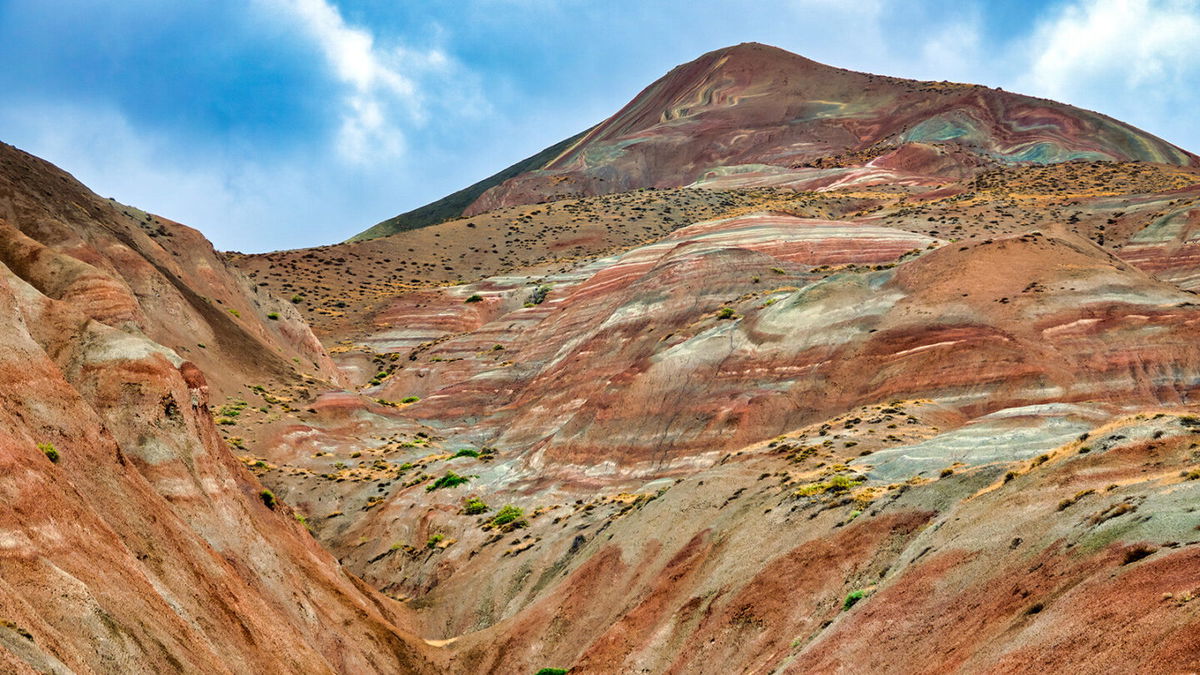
(142, 273)
(132, 539)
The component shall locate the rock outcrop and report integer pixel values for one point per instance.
(131, 538)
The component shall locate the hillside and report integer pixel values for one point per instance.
(133, 540)
(452, 205)
(782, 368)
(783, 415)
(758, 112)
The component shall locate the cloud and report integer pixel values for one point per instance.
(1136, 60)
(953, 51)
(1143, 44)
(237, 202)
(386, 86)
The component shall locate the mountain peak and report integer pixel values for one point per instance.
(758, 52)
(758, 113)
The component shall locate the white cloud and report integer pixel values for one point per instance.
(384, 84)
(1135, 60)
(237, 202)
(953, 51)
(1143, 44)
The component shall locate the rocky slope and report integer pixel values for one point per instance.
(921, 362)
(131, 539)
(752, 419)
(905, 386)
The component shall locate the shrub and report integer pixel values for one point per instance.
(538, 296)
(509, 515)
(410, 399)
(852, 599)
(434, 541)
(232, 409)
(1137, 552)
(835, 485)
(726, 313)
(450, 480)
(474, 507)
(474, 298)
(268, 498)
(466, 452)
(552, 671)
(296, 299)
(234, 312)
(49, 451)
(274, 316)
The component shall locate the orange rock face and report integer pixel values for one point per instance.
(131, 539)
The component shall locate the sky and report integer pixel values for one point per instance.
(271, 124)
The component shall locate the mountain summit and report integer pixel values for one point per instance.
(758, 112)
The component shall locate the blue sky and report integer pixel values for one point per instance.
(284, 123)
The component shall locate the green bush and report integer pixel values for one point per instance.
(552, 671)
(410, 399)
(474, 507)
(450, 480)
(268, 498)
(836, 484)
(538, 296)
(474, 298)
(726, 313)
(466, 452)
(49, 451)
(434, 541)
(852, 599)
(274, 316)
(509, 516)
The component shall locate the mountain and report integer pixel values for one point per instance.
(782, 368)
(132, 538)
(831, 372)
(757, 111)
(453, 205)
